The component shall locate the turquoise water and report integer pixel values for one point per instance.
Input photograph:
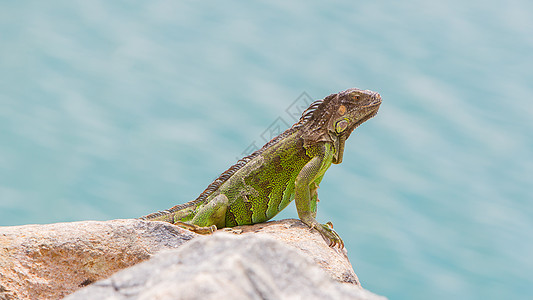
(117, 109)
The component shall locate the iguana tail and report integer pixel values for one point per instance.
(180, 212)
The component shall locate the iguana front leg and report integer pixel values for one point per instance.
(306, 198)
(314, 195)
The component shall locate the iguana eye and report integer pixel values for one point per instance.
(341, 125)
(354, 96)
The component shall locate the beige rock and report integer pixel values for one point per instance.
(310, 243)
(225, 266)
(52, 261)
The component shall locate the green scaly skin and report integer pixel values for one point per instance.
(289, 167)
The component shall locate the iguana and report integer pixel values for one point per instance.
(288, 167)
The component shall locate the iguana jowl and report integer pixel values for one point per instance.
(288, 167)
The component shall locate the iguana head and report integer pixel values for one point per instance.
(335, 117)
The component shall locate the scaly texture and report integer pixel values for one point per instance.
(289, 167)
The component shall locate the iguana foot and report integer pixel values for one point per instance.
(330, 236)
(196, 228)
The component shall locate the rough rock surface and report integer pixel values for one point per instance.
(310, 243)
(225, 266)
(52, 261)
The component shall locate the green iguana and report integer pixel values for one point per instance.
(288, 167)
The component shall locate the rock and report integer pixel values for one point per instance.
(52, 261)
(225, 266)
(309, 243)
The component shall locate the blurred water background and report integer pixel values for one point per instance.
(115, 109)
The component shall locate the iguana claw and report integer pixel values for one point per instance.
(330, 236)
